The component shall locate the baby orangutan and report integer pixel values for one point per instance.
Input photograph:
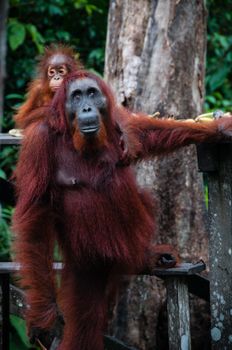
(54, 65)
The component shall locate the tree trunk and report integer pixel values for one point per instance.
(3, 17)
(155, 62)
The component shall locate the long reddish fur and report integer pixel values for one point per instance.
(39, 94)
(104, 226)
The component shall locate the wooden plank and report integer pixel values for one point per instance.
(178, 314)
(10, 267)
(220, 250)
(6, 139)
(197, 284)
(182, 269)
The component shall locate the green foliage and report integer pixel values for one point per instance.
(18, 338)
(87, 6)
(36, 37)
(8, 157)
(16, 33)
(219, 56)
(5, 235)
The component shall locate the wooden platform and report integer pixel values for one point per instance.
(6, 139)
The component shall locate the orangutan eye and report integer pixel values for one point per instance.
(51, 72)
(91, 92)
(76, 95)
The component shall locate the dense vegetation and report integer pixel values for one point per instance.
(219, 56)
(82, 24)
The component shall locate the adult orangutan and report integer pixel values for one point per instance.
(54, 65)
(76, 186)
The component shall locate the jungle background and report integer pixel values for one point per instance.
(83, 24)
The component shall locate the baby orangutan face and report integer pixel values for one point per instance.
(57, 70)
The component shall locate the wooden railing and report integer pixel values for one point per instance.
(216, 161)
(179, 282)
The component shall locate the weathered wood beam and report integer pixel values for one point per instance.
(178, 313)
(220, 249)
(6, 139)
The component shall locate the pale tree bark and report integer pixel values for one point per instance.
(155, 62)
(3, 17)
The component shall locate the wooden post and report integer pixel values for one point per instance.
(220, 251)
(178, 283)
(178, 313)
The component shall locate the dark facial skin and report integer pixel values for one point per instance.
(86, 104)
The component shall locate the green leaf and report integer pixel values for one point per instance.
(227, 104)
(63, 36)
(7, 213)
(20, 327)
(16, 34)
(2, 174)
(218, 95)
(37, 38)
(211, 99)
(217, 79)
(14, 96)
(55, 10)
